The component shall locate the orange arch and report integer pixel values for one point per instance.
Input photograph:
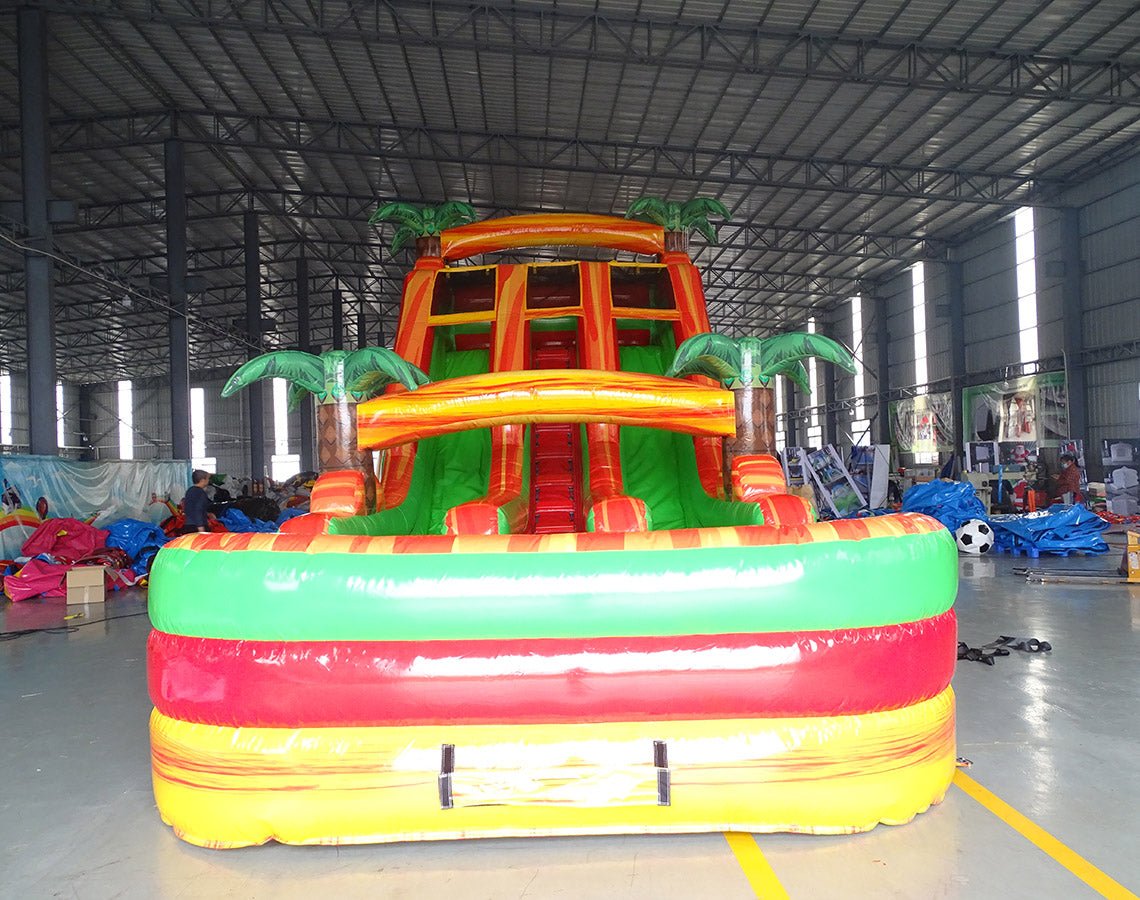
(570, 395)
(552, 230)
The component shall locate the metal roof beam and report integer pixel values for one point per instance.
(677, 43)
(701, 166)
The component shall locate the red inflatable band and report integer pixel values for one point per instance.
(319, 684)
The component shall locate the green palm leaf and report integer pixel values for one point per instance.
(303, 370)
(708, 354)
(454, 212)
(296, 395)
(702, 208)
(401, 237)
(405, 214)
(777, 350)
(369, 371)
(665, 213)
(796, 371)
(695, 214)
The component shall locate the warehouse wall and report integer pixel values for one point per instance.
(1110, 286)
(227, 422)
(20, 419)
(1109, 219)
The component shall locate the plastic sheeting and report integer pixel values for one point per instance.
(950, 502)
(39, 487)
(1056, 529)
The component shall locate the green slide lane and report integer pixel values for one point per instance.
(660, 467)
(449, 470)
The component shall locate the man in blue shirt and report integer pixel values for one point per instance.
(196, 502)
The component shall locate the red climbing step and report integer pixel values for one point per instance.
(556, 471)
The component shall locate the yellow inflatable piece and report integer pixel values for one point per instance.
(232, 787)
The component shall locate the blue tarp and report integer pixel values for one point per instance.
(1057, 528)
(287, 514)
(237, 521)
(950, 502)
(139, 540)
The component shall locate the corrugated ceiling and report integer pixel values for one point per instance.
(847, 139)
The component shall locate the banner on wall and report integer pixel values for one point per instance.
(923, 424)
(1031, 411)
(47, 487)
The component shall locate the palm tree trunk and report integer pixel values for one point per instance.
(755, 426)
(336, 441)
(429, 245)
(676, 242)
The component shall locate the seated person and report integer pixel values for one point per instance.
(1067, 481)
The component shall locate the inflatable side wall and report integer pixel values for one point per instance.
(688, 680)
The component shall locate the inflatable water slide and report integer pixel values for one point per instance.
(548, 615)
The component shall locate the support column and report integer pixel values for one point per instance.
(31, 26)
(955, 291)
(830, 415)
(1072, 325)
(883, 368)
(791, 424)
(337, 320)
(361, 329)
(255, 391)
(175, 176)
(305, 342)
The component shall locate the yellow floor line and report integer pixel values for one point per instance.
(1035, 834)
(756, 868)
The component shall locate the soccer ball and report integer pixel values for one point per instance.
(974, 536)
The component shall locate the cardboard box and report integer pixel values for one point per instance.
(86, 584)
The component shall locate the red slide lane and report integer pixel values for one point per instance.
(287, 684)
(556, 483)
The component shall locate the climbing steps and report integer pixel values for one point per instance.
(556, 475)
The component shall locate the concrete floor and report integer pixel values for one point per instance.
(1057, 736)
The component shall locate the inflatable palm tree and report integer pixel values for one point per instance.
(423, 224)
(747, 365)
(339, 380)
(678, 219)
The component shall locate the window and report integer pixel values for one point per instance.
(814, 429)
(918, 305)
(60, 424)
(1026, 256)
(860, 425)
(283, 465)
(641, 287)
(126, 414)
(921, 377)
(6, 408)
(781, 419)
(199, 459)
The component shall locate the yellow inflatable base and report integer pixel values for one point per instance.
(223, 787)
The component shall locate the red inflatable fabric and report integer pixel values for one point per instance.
(66, 539)
(34, 579)
(319, 684)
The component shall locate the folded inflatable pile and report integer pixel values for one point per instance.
(547, 617)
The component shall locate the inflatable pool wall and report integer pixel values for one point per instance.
(554, 622)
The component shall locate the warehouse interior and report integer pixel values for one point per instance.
(950, 188)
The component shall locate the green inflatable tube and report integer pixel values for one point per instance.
(334, 595)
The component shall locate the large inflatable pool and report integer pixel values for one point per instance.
(551, 619)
